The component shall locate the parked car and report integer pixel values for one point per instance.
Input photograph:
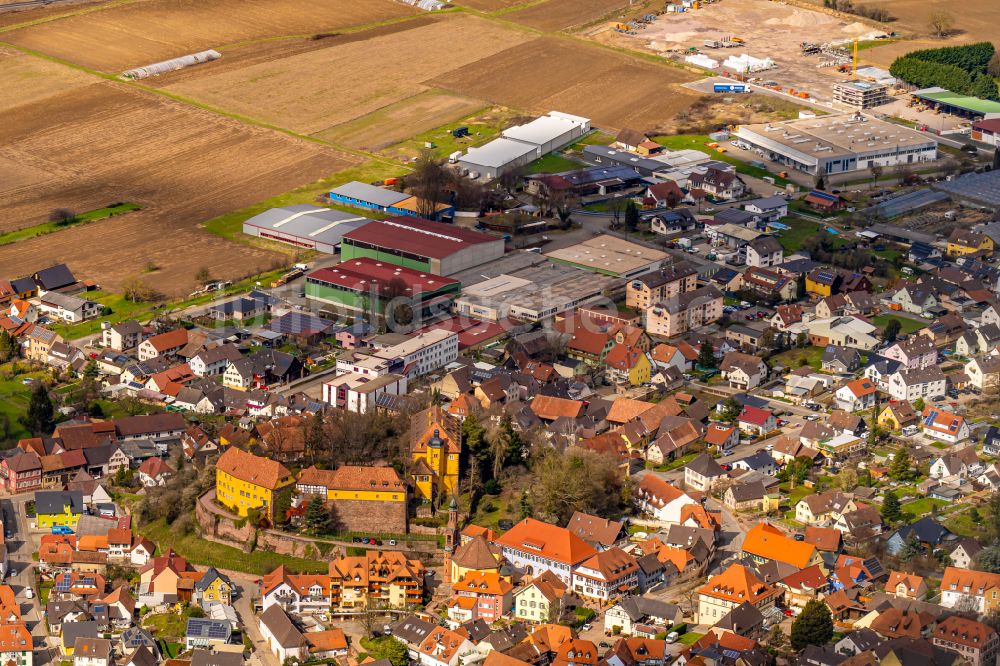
(672, 637)
(61, 529)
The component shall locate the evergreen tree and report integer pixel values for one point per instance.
(813, 626)
(317, 518)
(901, 467)
(631, 216)
(911, 548)
(919, 404)
(8, 346)
(706, 355)
(90, 370)
(41, 414)
(731, 410)
(891, 330)
(892, 510)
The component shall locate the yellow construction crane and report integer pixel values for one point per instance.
(854, 63)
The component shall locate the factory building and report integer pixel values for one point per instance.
(860, 94)
(361, 286)
(838, 144)
(305, 226)
(363, 195)
(421, 245)
(610, 255)
(522, 144)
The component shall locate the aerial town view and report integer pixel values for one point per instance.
(499, 333)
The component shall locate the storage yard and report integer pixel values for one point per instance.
(750, 30)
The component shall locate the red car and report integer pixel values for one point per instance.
(788, 612)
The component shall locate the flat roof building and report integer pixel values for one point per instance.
(860, 94)
(421, 245)
(304, 225)
(838, 143)
(531, 291)
(611, 256)
(522, 144)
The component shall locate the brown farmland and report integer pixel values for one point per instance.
(124, 36)
(612, 89)
(106, 142)
(562, 14)
(314, 91)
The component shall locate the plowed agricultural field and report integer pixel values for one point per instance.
(124, 36)
(103, 142)
(611, 89)
(562, 14)
(315, 91)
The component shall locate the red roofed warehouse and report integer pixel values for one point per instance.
(361, 284)
(421, 245)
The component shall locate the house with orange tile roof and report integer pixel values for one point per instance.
(443, 647)
(971, 640)
(532, 546)
(733, 587)
(295, 593)
(766, 543)
(668, 356)
(550, 408)
(722, 437)
(966, 588)
(857, 395)
(606, 576)
(480, 595)
(539, 599)
(627, 365)
(160, 580)
(906, 585)
(803, 586)
(387, 577)
(164, 344)
(16, 643)
(624, 410)
(576, 652)
(245, 482)
(660, 499)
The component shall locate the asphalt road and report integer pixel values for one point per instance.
(20, 546)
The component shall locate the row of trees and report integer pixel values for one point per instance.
(874, 12)
(960, 69)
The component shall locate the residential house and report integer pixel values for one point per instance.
(743, 371)
(155, 472)
(857, 395)
(685, 312)
(764, 252)
(213, 587)
(927, 531)
(58, 508)
(723, 185)
(282, 637)
(766, 543)
(633, 614)
(944, 426)
(67, 307)
(924, 383)
(533, 547)
(766, 282)
(163, 344)
(767, 209)
(703, 473)
(600, 533)
(976, 643)
(786, 315)
(906, 585)
(729, 590)
(915, 352)
(846, 331)
(824, 508)
(541, 599)
(214, 361)
(627, 365)
(964, 554)
(842, 360)
(646, 290)
(965, 241)
(897, 415)
(123, 336)
(970, 589)
(480, 595)
(606, 576)
(661, 500)
(92, 652)
(984, 372)
(915, 298)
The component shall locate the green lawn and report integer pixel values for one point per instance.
(14, 398)
(201, 551)
(230, 225)
(922, 507)
(82, 218)
(792, 358)
(960, 523)
(698, 141)
(906, 324)
(791, 239)
(595, 138)
(872, 43)
(166, 625)
(690, 638)
(483, 126)
(553, 163)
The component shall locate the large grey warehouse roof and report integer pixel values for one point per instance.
(979, 188)
(542, 130)
(311, 222)
(497, 153)
(369, 193)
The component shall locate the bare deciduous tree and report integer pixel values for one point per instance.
(941, 23)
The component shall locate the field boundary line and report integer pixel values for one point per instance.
(181, 99)
(89, 9)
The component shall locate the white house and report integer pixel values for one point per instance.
(214, 361)
(856, 395)
(912, 384)
(68, 307)
(916, 352)
(121, 337)
(661, 500)
(984, 372)
(944, 426)
(283, 639)
(743, 371)
(764, 252)
(915, 298)
(768, 209)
